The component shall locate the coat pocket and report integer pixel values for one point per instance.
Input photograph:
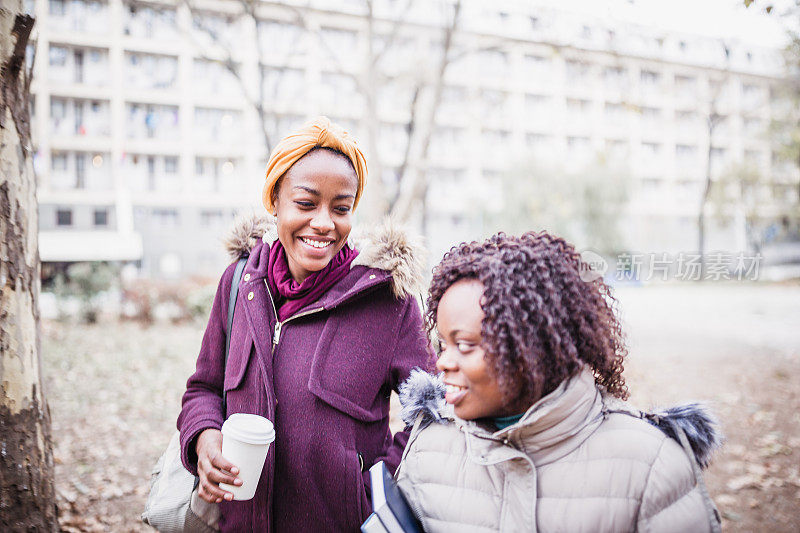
(238, 358)
(349, 371)
(361, 507)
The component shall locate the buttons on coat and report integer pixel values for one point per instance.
(247, 277)
(250, 295)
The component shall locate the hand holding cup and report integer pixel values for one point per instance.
(213, 468)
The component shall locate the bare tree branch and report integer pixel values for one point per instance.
(398, 24)
(413, 191)
(410, 128)
(228, 62)
(249, 9)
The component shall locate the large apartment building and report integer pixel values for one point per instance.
(147, 144)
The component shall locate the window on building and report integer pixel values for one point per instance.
(454, 96)
(497, 138)
(577, 70)
(614, 74)
(686, 157)
(494, 101)
(57, 56)
(578, 105)
(650, 77)
(718, 156)
(651, 185)
(151, 173)
(77, 62)
(64, 217)
(651, 113)
(578, 144)
(535, 62)
(617, 149)
(614, 110)
(166, 217)
(538, 141)
(493, 62)
(58, 161)
(56, 8)
(211, 217)
(651, 149)
(752, 157)
(339, 40)
(101, 217)
(170, 164)
(754, 125)
(58, 108)
(80, 171)
(150, 71)
(751, 90)
(685, 83)
(446, 139)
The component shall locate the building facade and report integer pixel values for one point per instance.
(148, 138)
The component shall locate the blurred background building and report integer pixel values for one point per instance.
(152, 122)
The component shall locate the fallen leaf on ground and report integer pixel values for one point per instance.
(742, 482)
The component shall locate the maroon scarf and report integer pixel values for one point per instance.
(291, 296)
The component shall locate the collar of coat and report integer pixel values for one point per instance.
(558, 423)
(387, 247)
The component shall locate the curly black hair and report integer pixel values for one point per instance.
(541, 322)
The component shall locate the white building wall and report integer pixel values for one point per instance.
(171, 144)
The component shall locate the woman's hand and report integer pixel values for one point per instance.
(214, 469)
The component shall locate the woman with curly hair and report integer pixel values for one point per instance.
(526, 428)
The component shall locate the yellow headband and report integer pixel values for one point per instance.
(319, 133)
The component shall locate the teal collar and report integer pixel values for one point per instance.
(502, 422)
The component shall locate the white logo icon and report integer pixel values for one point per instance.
(593, 266)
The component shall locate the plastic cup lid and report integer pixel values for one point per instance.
(252, 429)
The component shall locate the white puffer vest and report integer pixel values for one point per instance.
(576, 462)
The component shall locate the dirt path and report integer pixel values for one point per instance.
(114, 392)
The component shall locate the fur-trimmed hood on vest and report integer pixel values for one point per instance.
(388, 247)
(422, 394)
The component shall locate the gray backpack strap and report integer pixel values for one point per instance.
(237, 278)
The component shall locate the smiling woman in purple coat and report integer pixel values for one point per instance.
(323, 331)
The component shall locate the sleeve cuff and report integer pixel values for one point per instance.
(189, 440)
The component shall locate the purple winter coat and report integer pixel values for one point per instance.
(325, 384)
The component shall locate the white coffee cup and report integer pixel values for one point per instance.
(245, 443)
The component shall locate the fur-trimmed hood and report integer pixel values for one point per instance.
(387, 247)
(423, 394)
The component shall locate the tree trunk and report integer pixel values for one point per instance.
(711, 122)
(701, 219)
(27, 494)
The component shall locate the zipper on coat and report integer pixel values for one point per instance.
(276, 334)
